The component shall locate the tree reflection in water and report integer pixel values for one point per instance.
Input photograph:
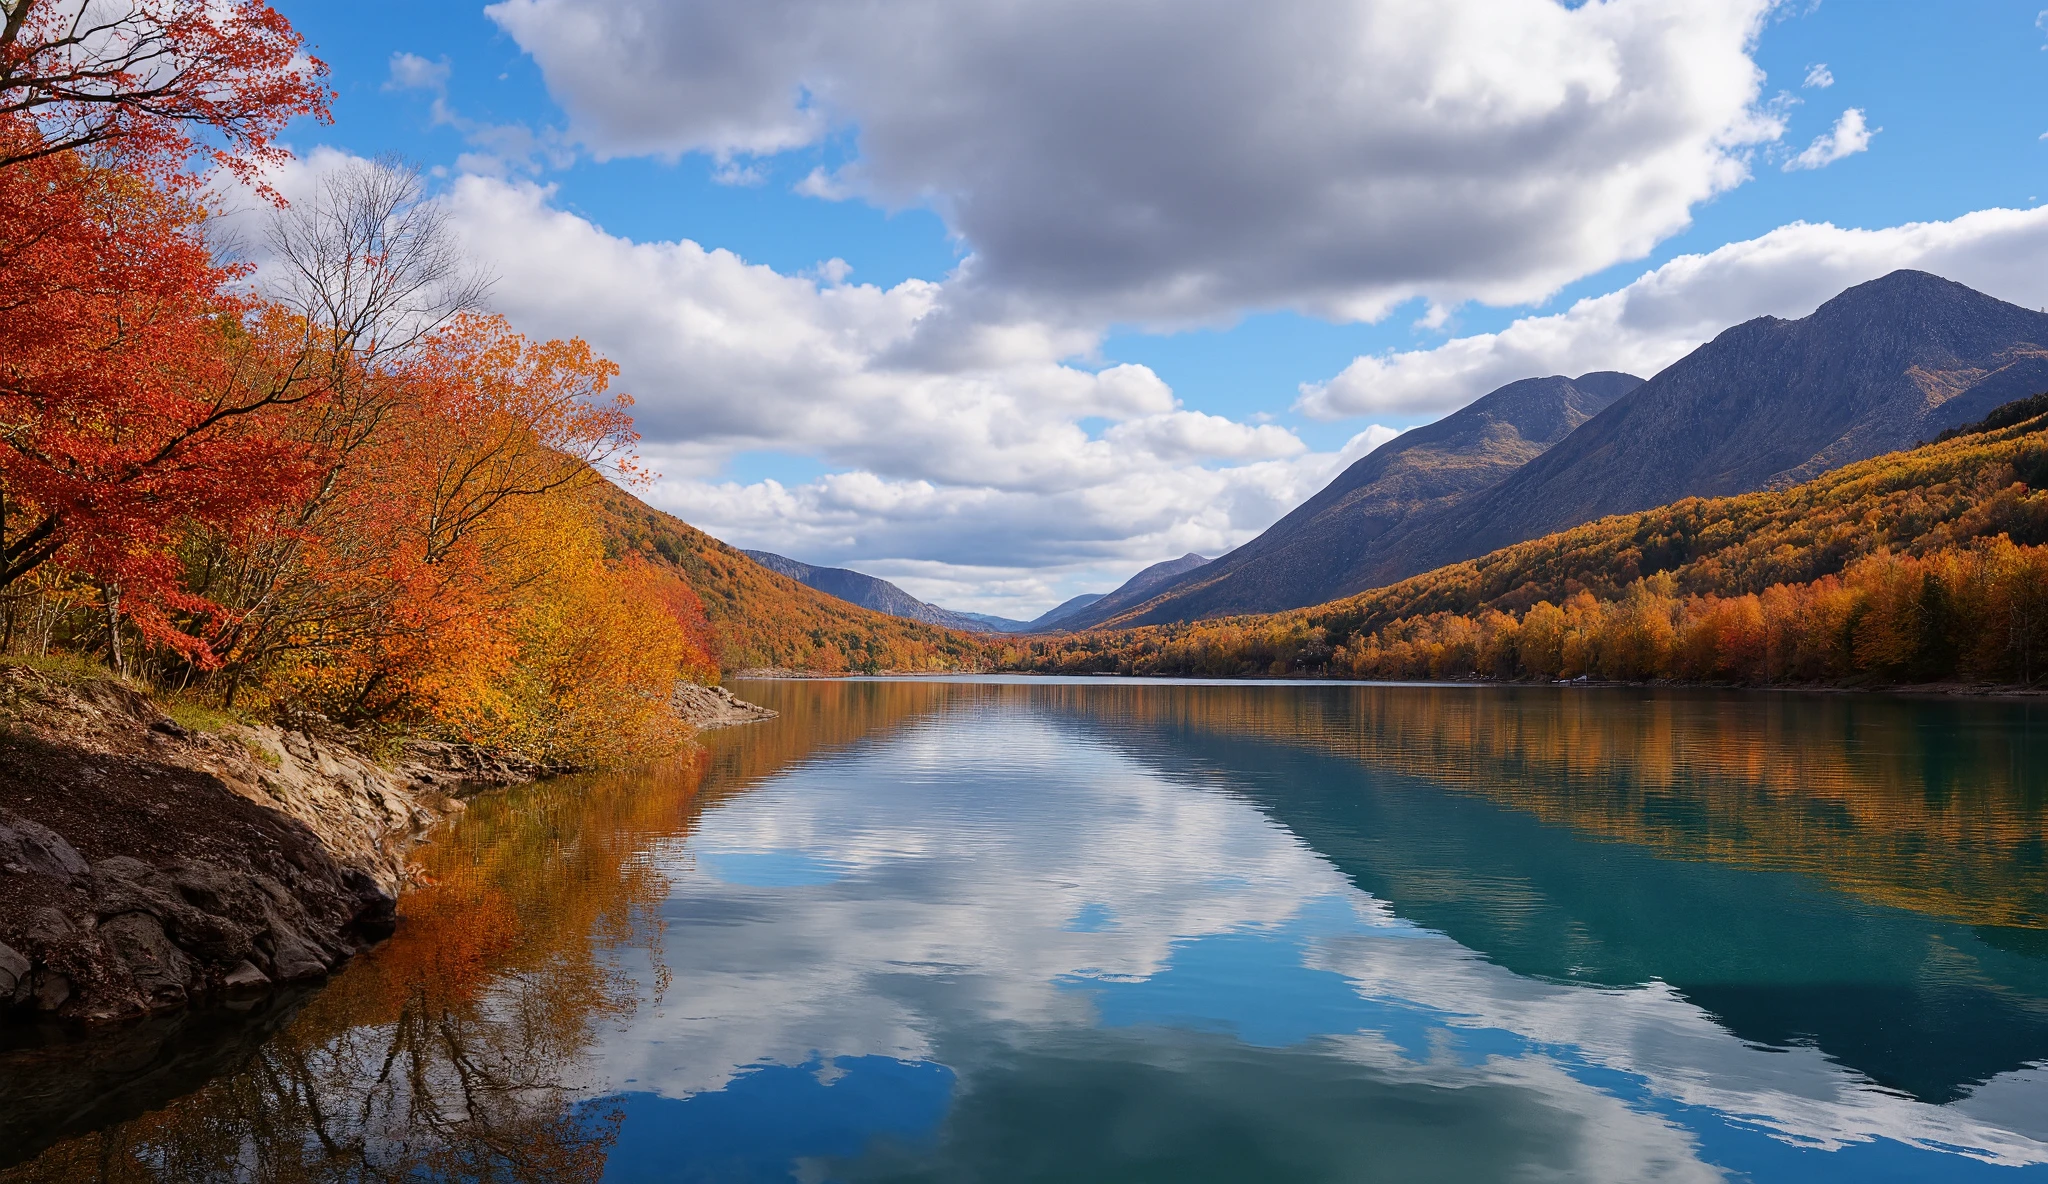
(1933, 805)
(458, 1048)
(453, 1050)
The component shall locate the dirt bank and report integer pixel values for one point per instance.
(145, 866)
(714, 707)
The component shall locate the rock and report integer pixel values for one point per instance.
(713, 707)
(292, 957)
(13, 975)
(145, 865)
(163, 973)
(245, 977)
(376, 910)
(37, 849)
(124, 884)
(52, 990)
(49, 926)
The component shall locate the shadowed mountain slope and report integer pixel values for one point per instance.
(1128, 595)
(761, 618)
(1335, 543)
(1767, 404)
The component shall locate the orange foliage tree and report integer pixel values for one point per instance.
(450, 572)
(352, 492)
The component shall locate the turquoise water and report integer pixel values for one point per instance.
(1099, 930)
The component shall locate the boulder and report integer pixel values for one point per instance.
(163, 974)
(14, 984)
(28, 847)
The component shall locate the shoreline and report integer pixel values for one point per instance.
(1944, 690)
(147, 867)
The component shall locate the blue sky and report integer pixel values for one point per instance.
(993, 470)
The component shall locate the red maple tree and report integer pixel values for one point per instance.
(155, 81)
(130, 390)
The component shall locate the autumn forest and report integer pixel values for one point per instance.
(279, 459)
(333, 484)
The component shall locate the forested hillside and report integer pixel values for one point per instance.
(1766, 404)
(760, 619)
(1340, 541)
(1914, 566)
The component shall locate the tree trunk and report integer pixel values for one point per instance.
(111, 595)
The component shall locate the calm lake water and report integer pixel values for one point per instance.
(1117, 931)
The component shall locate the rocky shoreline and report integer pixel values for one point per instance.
(146, 866)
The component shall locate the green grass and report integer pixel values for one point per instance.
(199, 717)
(66, 668)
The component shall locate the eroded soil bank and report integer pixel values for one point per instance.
(145, 867)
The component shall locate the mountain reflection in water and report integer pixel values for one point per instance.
(1106, 930)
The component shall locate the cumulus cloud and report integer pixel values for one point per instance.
(1849, 136)
(1670, 311)
(978, 458)
(1119, 160)
(1819, 77)
(1011, 552)
(410, 71)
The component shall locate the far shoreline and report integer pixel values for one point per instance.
(1937, 690)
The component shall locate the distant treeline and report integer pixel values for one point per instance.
(1920, 566)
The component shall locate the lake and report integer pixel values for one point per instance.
(1104, 930)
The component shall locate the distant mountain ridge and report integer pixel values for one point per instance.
(763, 619)
(1920, 565)
(870, 592)
(879, 595)
(1766, 404)
(1130, 594)
(1060, 612)
(1334, 544)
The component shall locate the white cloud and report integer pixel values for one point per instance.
(1669, 311)
(1849, 136)
(410, 71)
(962, 439)
(1112, 162)
(742, 173)
(1819, 77)
(822, 185)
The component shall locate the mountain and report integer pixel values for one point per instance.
(1129, 595)
(871, 593)
(760, 618)
(1768, 403)
(1336, 542)
(1062, 611)
(1913, 566)
(995, 624)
